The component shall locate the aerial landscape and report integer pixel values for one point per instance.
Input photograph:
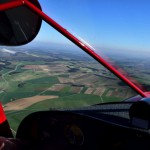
(53, 94)
(33, 79)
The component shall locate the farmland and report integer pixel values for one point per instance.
(44, 81)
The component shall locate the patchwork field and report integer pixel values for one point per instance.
(56, 81)
(25, 81)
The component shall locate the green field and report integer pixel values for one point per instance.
(66, 102)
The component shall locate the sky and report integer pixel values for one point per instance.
(110, 24)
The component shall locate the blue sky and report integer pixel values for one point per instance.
(112, 24)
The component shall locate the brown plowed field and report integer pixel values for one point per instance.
(65, 80)
(56, 87)
(76, 89)
(89, 91)
(26, 102)
(99, 91)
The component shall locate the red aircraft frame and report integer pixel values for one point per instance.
(75, 40)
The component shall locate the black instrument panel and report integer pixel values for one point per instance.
(81, 129)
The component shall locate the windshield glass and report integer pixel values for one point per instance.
(52, 73)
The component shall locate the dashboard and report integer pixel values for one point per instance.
(105, 126)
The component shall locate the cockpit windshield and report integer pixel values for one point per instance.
(53, 73)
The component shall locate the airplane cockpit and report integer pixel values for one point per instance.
(67, 95)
